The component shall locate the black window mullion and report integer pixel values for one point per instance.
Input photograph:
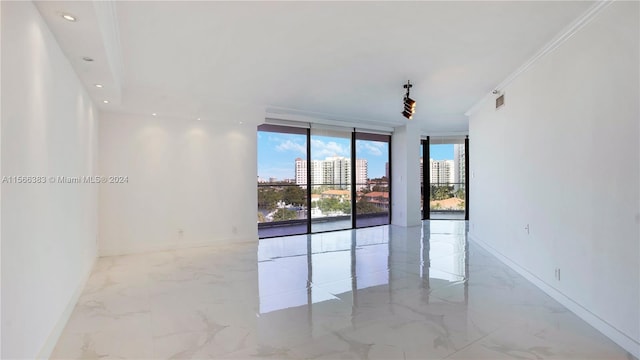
(466, 178)
(353, 179)
(389, 180)
(308, 181)
(426, 180)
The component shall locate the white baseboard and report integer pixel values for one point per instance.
(617, 336)
(54, 336)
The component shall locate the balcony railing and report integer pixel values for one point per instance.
(282, 207)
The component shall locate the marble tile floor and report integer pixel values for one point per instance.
(377, 293)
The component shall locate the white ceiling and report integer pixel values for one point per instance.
(344, 60)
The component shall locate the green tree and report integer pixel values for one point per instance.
(329, 204)
(441, 192)
(268, 198)
(294, 195)
(345, 207)
(285, 214)
(364, 206)
(261, 217)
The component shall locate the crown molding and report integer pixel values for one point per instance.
(549, 47)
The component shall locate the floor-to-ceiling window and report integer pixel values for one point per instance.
(424, 174)
(314, 180)
(282, 180)
(331, 183)
(372, 179)
(444, 178)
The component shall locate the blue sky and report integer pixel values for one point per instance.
(441, 152)
(277, 153)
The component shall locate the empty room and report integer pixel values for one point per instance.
(320, 179)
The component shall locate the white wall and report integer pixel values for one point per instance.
(405, 176)
(197, 176)
(48, 230)
(563, 156)
(0, 189)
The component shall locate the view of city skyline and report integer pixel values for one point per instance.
(336, 193)
(277, 154)
(446, 163)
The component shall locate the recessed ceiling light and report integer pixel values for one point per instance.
(88, 59)
(69, 17)
(198, 119)
(154, 114)
(105, 101)
(99, 85)
(240, 122)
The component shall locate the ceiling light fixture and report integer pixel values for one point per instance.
(198, 119)
(105, 101)
(87, 59)
(409, 103)
(69, 17)
(154, 114)
(99, 86)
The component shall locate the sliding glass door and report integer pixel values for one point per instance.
(317, 180)
(444, 175)
(331, 186)
(282, 181)
(372, 186)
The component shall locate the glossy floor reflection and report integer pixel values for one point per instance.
(385, 292)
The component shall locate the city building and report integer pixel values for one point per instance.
(362, 172)
(301, 172)
(442, 171)
(335, 171)
(162, 100)
(342, 195)
(318, 173)
(459, 164)
(379, 199)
